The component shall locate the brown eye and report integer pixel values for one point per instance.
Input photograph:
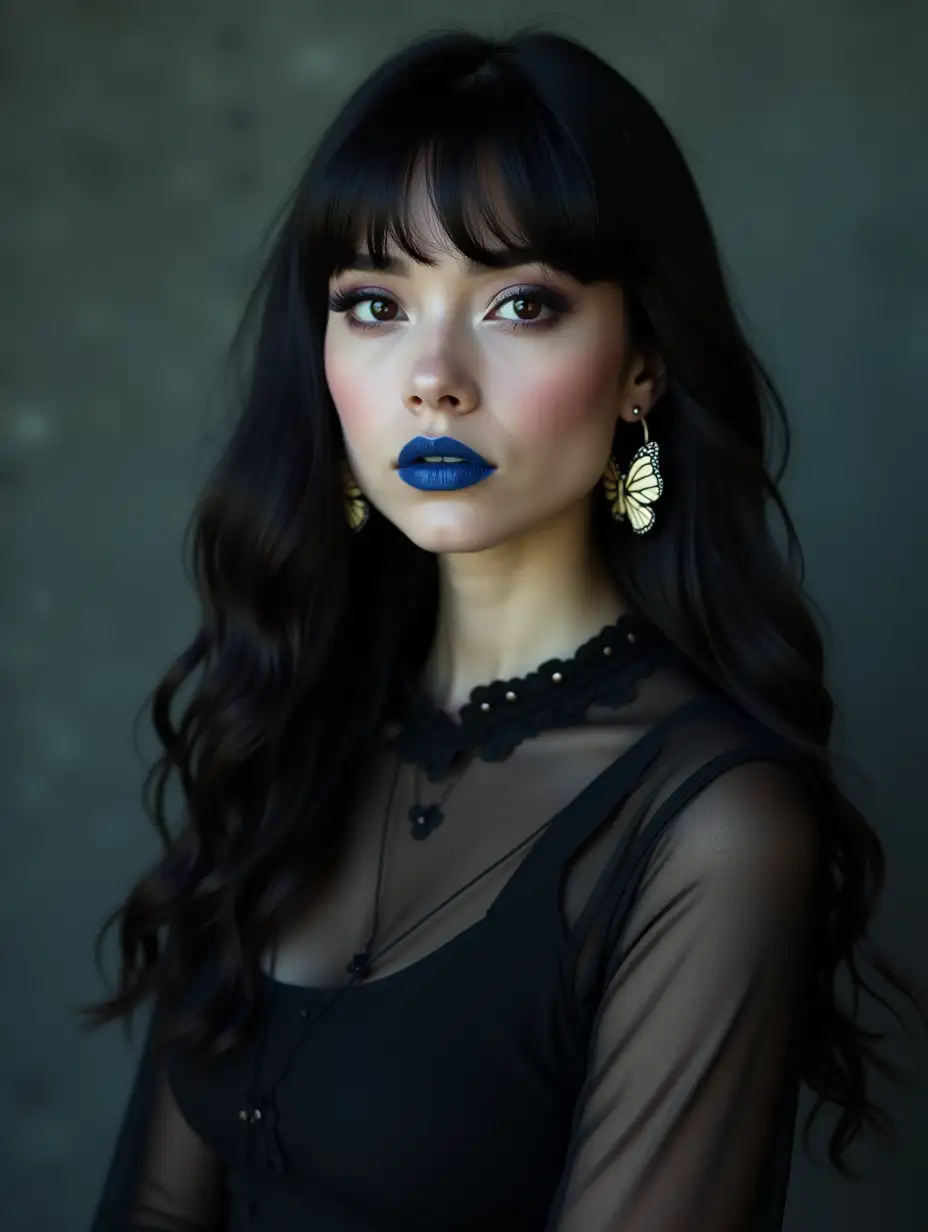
(364, 309)
(380, 309)
(526, 307)
(529, 307)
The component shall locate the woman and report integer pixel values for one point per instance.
(513, 880)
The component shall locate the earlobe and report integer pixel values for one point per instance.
(648, 384)
(637, 412)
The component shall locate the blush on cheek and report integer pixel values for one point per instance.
(561, 400)
(350, 393)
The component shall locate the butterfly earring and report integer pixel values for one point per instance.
(632, 495)
(357, 510)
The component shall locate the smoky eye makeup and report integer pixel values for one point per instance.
(548, 296)
(344, 301)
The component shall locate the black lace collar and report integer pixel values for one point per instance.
(499, 716)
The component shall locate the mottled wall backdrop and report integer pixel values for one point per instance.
(144, 148)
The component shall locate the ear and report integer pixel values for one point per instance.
(643, 386)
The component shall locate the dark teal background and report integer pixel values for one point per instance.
(144, 147)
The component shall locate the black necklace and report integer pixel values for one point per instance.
(426, 818)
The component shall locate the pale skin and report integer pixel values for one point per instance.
(519, 580)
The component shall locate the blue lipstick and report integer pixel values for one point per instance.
(441, 464)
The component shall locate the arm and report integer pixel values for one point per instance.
(162, 1177)
(690, 1054)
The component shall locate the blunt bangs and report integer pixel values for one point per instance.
(505, 179)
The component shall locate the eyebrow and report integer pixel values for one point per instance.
(362, 262)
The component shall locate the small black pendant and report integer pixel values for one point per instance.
(425, 818)
(360, 965)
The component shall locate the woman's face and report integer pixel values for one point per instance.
(524, 366)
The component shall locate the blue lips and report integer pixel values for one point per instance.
(420, 464)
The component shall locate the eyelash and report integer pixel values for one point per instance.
(343, 301)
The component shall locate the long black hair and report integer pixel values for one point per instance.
(302, 626)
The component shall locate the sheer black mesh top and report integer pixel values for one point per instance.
(583, 1007)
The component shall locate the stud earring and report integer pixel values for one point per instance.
(632, 495)
(357, 509)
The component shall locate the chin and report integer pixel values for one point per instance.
(446, 531)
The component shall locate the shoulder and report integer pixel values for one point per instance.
(747, 805)
(743, 835)
(720, 800)
(724, 797)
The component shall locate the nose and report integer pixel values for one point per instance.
(438, 385)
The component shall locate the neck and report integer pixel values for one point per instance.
(505, 610)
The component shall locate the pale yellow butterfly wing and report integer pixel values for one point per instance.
(612, 484)
(357, 510)
(356, 506)
(642, 486)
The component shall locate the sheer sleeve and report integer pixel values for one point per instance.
(180, 1187)
(162, 1177)
(691, 1061)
